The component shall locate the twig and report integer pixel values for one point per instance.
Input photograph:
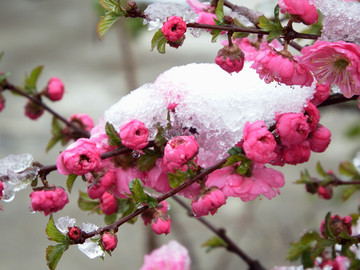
(231, 246)
(337, 99)
(78, 130)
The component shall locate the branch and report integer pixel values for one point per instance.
(251, 15)
(15, 89)
(337, 99)
(231, 246)
(117, 224)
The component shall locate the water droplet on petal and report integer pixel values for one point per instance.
(136, 154)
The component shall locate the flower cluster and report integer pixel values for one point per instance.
(49, 201)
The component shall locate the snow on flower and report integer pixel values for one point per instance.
(171, 256)
(334, 63)
(208, 99)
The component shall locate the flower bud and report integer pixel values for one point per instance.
(230, 58)
(174, 29)
(320, 139)
(33, 111)
(208, 201)
(321, 94)
(134, 134)
(74, 233)
(83, 120)
(49, 201)
(325, 192)
(109, 241)
(1, 189)
(2, 102)
(161, 224)
(108, 204)
(55, 89)
(337, 225)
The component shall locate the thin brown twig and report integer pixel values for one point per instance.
(231, 246)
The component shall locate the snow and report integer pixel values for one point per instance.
(214, 103)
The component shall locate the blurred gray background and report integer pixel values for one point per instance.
(61, 36)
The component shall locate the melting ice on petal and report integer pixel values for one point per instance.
(157, 13)
(340, 23)
(90, 247)
(20, 173)
(212, 102)
(64, 223)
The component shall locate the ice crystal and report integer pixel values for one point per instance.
(341, 20)
(63, 223)
(157, 13)
(19, 172)
(212, 104)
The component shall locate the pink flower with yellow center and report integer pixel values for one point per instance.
(334, 63)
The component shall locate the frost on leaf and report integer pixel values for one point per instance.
(20, 173)
(157, 13)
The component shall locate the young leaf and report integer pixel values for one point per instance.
(30, 82)
(54, 140)
(105, 23)
(54, 253)
(348, 192)
(348, 169)
(158, 36)
(159, 138)
(70, 181)
(214, 242)
(320, 170)
(85, 203)
(152, 202)
(4, 76)
(161, 45)
(177, 178)
(114, 137)
(108, 5)
(147, 161)
(235, 151)
(328, 233)
(137, 190)
(220, 11)
(53, 233)
(110, 219)
(56, 127)
(215, 34)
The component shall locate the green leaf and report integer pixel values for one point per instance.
(328, 233)
(298, 248)
(159, 138)
(114, 137)
(70, 181)
(53, 141)
(56, 127)
(214, 242)
(110, 219)
(348, 192)
(85, 203)
(276, 13)
(152, 202)
(220, 11)
(348, 169)
(215, 34)
(235, 151)
(179, 177)
(243, 168)
(4, 76)
(30, 82)
(161, 45)
(236, 158)
(275, 28)
(137, 190)
(147, 161)
(353, 131)
(320, 170)
(105, 23)
(53, 233)
(158, 36)
(108, 5)
(54, 253)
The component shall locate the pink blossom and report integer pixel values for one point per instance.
(123, 179)
(171, 256)
(33, 111)
(297, 153)
(1, 189)
(321, 94)
(292, 128)
(149, 214)
(2, 102)
(259, 144)
(272, 65)
(49, 201)
(172, 106)
(157, 178)
(102, 142)
(55, 89)
(325, 192)
(109, 241)
(108, 203)
(179, 150)
(174, 28)
(134, 134)
(83, 120)
(247, 48)
(207, 18)
(230, 58)
(79, 158)
(320, 139)
(207, 202)
(302, 9)
(337, 225)
(161, 224)
(334, 63)
(98, 186)
(313, 115)
(197, 6)
(339, 263)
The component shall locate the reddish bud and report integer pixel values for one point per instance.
(161, 224)
(230, 58)
(108, 204)
(74, 233)
(337, 225)
(174, 29)
(325, 192)
(1, 189)
(55, 89)
(109, 241)
(33, 111)
(2, 102)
